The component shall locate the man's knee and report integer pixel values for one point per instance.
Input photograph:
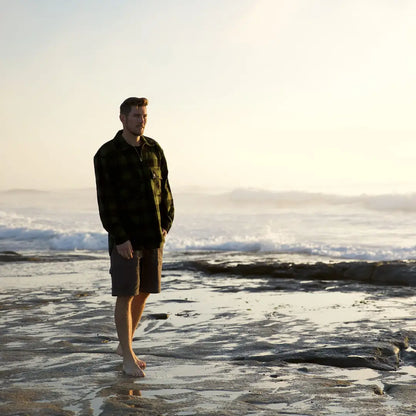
(143, 295)
(124, 300)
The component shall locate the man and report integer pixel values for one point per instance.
(136, 208)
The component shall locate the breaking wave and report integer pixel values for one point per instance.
(17, 238)
(363, 227)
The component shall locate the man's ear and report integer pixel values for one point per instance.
(122, 118)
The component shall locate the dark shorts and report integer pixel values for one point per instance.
(142, 273)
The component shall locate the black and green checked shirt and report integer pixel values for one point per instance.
(134, 197)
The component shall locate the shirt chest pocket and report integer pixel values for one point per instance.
(156, 180)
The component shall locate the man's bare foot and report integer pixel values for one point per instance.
(132, 369)
(139, 362)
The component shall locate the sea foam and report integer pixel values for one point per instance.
(364, 227)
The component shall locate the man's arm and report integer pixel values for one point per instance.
(167, 210)
(107, 201)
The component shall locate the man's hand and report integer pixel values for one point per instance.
(125, 250)
(164, 232)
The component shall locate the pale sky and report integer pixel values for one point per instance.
(312, 95)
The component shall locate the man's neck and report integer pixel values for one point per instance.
(131, 139)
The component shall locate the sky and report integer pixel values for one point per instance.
(308, 95)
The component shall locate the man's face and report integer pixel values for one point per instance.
(135, 122)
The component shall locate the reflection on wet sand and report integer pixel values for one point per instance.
(134, 393)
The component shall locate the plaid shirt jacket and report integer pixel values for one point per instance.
(134, 197)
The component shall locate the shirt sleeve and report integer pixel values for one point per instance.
(167, 209)
(107, 202)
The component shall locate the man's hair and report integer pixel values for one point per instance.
(128, 103)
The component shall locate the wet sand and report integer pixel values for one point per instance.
(214, 345)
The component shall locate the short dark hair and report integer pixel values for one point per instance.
(128, 103)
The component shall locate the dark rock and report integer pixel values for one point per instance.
(360, 271)
(160, 316)
(12, 256)
(396, 273)
(385, 273)
(402, 392)
(383, 356)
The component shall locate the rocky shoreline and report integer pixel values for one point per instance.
(384, 355)
(14, 257)
(402, 273)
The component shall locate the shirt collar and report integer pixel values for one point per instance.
(123, 145)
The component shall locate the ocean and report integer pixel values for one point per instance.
(288, 226)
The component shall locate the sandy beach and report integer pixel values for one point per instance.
(214, 345)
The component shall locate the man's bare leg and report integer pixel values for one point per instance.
(123, 320)
(137, 306)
